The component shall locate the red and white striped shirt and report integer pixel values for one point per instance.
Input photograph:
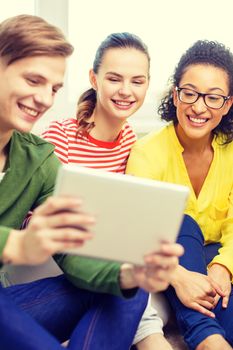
(87, 151)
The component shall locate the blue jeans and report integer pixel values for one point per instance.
(42, 314)
(194, 326)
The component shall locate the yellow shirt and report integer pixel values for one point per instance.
(158, 156)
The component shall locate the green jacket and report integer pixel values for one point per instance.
(30, 177)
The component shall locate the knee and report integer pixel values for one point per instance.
(190, 228)
(229, 335)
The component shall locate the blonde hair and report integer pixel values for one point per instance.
(26, 35)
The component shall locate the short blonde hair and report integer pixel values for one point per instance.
(26, 35)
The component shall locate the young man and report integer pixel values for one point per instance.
(44, 313)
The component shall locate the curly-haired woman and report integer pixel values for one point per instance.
(196, 149)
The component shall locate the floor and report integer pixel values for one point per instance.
(174, 337)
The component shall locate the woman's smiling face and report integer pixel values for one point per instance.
(197, 120)
(121, 82)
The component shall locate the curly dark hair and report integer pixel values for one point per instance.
(208, 53)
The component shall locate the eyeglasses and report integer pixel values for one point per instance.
(211, 100)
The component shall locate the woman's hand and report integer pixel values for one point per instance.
(156, 274)
(221, 275)
(196, 291)
(56, 225)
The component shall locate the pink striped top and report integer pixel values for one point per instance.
(87, 151)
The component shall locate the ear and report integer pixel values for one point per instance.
(175, 97)
(227, 106)
(92, 79)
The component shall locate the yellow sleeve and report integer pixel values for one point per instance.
(225, 256)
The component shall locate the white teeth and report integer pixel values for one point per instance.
(198, 120)
(29, 111)
(123, 103)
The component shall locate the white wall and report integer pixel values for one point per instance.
(11, 8)
(168, 27)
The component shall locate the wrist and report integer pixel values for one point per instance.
(222, 268)
(126, 278)
(177, 275)
(13, 252)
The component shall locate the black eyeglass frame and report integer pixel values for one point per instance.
(200, 94)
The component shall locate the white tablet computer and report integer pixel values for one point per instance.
(132, 214)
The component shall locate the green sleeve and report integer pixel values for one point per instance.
(4, 233)
(94, 275)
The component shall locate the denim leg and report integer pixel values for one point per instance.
(194, 326)
(18, 331)
(54, 303)
(224, 316)
(111, 326)
(191, 238)
(96, 318)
